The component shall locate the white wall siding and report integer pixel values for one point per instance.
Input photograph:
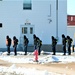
(12, 16)
(71, 31)
(62, 19)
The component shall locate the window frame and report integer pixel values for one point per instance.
(27, 6)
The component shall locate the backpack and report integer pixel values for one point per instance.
(17, 41)
(9, 41)
(27, 41)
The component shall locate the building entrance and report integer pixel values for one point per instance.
(27, 30)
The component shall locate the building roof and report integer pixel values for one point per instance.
(71, 20)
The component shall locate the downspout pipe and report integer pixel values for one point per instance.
(57, 19)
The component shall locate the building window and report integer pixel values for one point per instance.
(24, 30)
(27, 5)
(0, 25)
(31, 30)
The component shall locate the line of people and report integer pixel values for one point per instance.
(37, 44)
(14, 43)
(66, 42)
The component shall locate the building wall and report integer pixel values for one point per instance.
(62, 19)
(71, 27)
(71, 31)
(12, 16)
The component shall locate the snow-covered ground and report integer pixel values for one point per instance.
(13, 70)
(45, 57)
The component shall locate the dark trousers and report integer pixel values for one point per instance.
(73, 48)
(8, 50)
(69, 50)
(54, 50)
(64, 49)
(25, 49)
(15, 51)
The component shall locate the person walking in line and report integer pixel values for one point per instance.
(15, 43)
(8, 44)
(64, 44)
(69, 42)
(35, 41)
(54, 42)
(39, 45)
(26, 41)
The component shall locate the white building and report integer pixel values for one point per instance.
(71, 27)
(45, 18)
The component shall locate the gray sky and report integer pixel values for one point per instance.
(71, 7)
